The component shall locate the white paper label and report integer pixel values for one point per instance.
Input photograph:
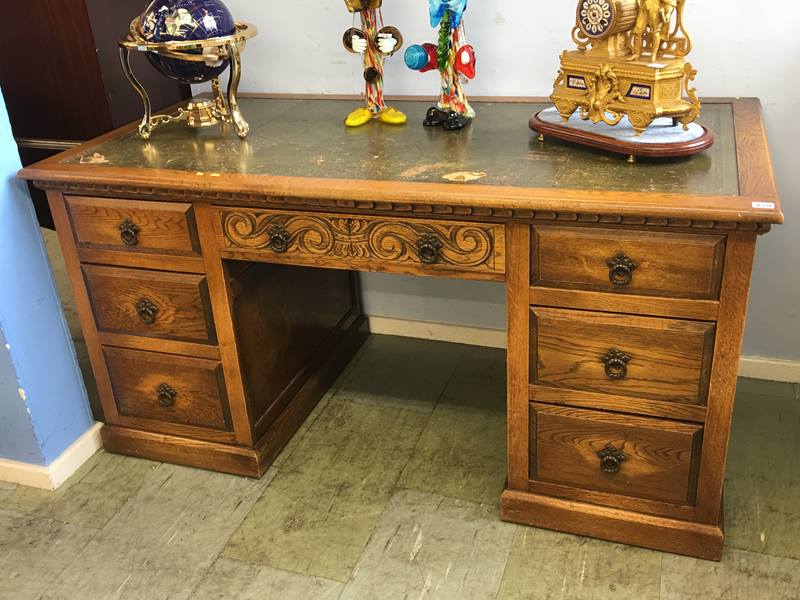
(767, 205)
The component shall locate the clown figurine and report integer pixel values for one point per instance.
(455, 60)
(374, 42)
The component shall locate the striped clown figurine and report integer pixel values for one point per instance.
(375, 43)
(455, 60)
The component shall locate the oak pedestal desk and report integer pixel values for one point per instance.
(215, 283)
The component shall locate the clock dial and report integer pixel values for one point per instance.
(595, 17)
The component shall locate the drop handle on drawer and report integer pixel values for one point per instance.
(166, 395)
(279, 239)
(147, 311)
(611, 459)
(129, 232)
(620, 269)
(616, 364)
(429, 248)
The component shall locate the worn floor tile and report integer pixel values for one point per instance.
(235, 580)
(187, 509)
(91, 497)
(34, 552)
(547, 565)
(478, 382)
(761, 387)
(162, 541)
(400, 372)
(427, 546)
(741, 575)
(762, 489)
(462, 452)
(297, 438)
(5, 490)
(320, 510)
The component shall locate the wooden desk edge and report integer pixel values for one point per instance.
(756, 181)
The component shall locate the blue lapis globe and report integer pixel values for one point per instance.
(186, 20)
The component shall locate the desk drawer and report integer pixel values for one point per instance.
(646, 263)
(172, 306)
(633, 456)
(133, 226)
(365, 243)
(651, 358)
(168, 389)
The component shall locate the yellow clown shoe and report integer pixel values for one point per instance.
(392, 116)
(359, 117)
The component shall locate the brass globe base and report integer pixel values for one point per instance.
(222, 107)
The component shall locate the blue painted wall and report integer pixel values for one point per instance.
(43, 404)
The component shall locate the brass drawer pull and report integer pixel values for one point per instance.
(147, 311)
(621, 269)
(611, 459)
(166, 395)
(429, 248)
(279, 239)
(129, 232)
(616, 364)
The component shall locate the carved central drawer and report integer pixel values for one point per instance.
(475, 250)
(634, 456)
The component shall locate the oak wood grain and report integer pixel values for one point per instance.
(518, 280)
(199, 391)
(162, 228)
(83, 305)
(722, 387)
(622, 404)
(614, 500)
(136, 342)
(660, 456)
(219, 289)
(364, 243)
(613, 524)
(226, 458)
(669, 359)
(285, 317)
(680, 308)
(666, 264)
(173, 306)
(139, 260)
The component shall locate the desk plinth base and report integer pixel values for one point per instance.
(240, 460)
(613, 524)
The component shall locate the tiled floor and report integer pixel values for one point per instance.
(389, 492)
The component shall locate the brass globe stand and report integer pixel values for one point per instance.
(222, 107)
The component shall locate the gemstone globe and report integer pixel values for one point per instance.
(186, 20)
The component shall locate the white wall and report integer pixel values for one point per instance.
(742, 48)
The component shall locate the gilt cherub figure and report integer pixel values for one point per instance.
(455, 60)
(374, 43)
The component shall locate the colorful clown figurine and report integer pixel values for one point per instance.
(375, 43)
(455, 60)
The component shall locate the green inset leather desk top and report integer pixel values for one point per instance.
(306, 138)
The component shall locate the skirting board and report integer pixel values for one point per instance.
(755, 367)
(58, 471)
